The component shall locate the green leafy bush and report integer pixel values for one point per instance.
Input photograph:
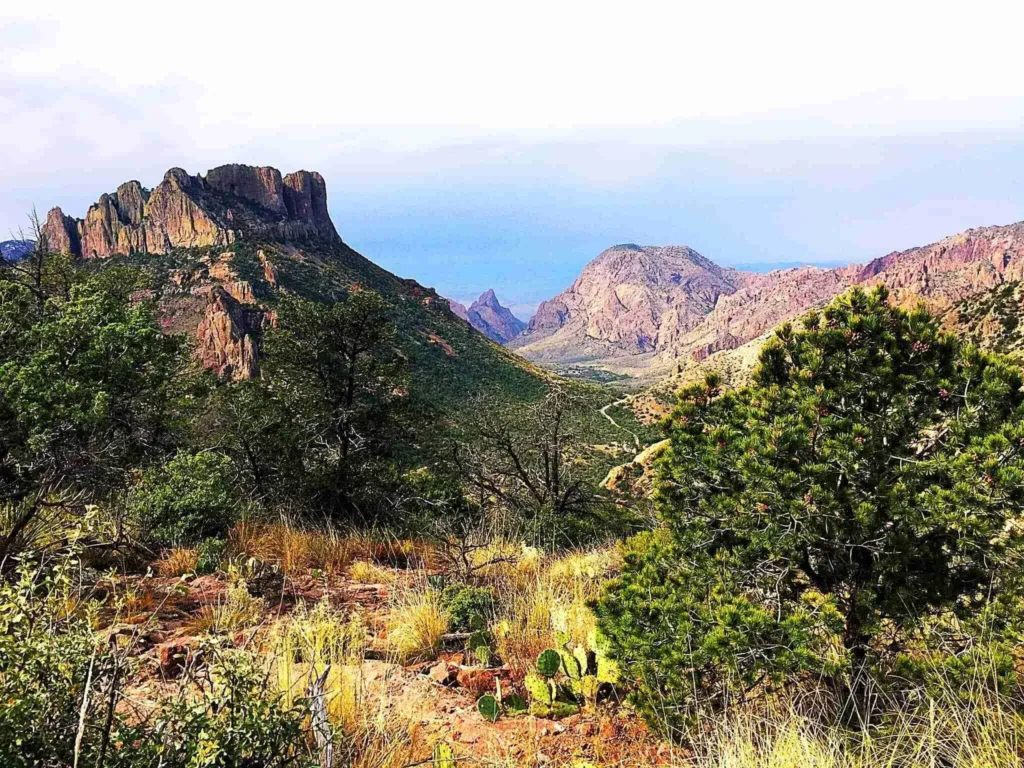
(463, 602)
(45, 654)
(210, 554)
(187, 500)
(234, 719)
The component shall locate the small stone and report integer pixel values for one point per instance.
(443, 673)
(174, 655)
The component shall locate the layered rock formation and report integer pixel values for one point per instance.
(186, 211)
(488, 316)
(660, 309)
(183, 212)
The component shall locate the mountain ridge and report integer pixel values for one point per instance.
(685, 326)
(15, 250)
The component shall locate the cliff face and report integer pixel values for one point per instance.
(237, 238)
(186, 211)
(642, 309)
(210, 299)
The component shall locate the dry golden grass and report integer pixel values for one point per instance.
(398, 553)
(177, 562)
(294, 550)
(543, 603)
(416, 623)
(944, 734)
(365, 572)
(236, 609)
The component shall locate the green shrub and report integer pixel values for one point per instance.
(45, 654)
(211, 552)
(463, 602)
(234, 719)
(187, 500)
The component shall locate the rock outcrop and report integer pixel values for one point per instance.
(228, 336)
(186, 211)
(490, 318)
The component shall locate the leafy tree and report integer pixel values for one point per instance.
(870, 476)
(187, 500)
(86, 390)
(337, 377)
(257, 430)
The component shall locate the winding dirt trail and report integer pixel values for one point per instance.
(604, 412)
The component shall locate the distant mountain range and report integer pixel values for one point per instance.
(650, 310)
(13, 250)
(490, 318)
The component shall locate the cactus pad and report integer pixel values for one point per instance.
(571, 665)
(538, 688)
(515, 704)
(488, 707)
(549, 662)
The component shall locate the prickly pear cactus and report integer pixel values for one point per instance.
(487, 705)
(549, 662)
(443, 756)
(607, 668)
(539, 688)
(555, 709)
(588, 687)
(583, 658)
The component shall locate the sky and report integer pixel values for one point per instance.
(485, 145)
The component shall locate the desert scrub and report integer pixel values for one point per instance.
(324, 644)
(464, 603)
(939, 733)
(540, 613)
(295, 551)
(46, 648)
(229, 718)
(416, 624)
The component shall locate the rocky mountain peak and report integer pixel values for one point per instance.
(627, 301)
(488, 316)
(650, 310)
(186, 211)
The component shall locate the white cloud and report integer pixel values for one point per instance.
(93, 94)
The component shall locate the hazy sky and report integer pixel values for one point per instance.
(477, 145)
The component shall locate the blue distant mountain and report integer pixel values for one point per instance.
(13, 250)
